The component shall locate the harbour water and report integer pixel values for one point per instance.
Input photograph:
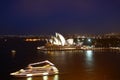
(72, 65)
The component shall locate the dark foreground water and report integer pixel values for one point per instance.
(73, 65)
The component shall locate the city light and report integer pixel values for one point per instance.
(89, 40)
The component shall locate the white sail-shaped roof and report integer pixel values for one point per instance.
(51, 41)
(60, 38)
(56, 41)
(70, 41)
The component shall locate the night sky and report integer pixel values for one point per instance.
(63, 16)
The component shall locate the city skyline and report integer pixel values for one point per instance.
(66, 17)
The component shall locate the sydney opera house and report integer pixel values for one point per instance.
(58, 42)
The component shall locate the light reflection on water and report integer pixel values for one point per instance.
(45, 77)
(89, 54)
(81, 65)
(89, 58)
(29, 78)
(55, 77)
(89, 63)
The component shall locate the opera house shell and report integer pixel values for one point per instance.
(58, 39)
(58, 42)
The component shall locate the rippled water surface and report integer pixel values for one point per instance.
(73, 65)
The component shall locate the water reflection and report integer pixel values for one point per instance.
(13, 53)
(89, 61)
(56, 55)
(89, 55)
(29, 78)
(80, 65)
(55, 77)
(51, 78)
(45, 77)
